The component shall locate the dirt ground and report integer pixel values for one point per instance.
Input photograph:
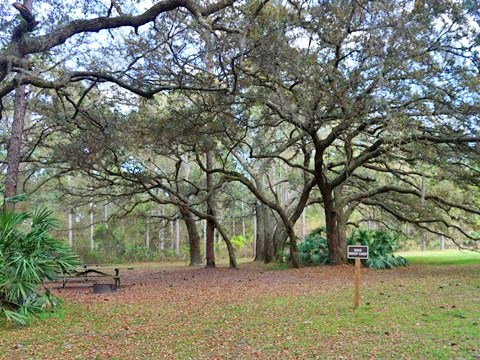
(178, 312)
(232, 285)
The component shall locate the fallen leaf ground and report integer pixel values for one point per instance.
(427, 312)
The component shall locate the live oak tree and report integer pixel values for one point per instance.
(372, 105)
(365, 80)
(46, 49)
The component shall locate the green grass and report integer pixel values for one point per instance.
(422, 312)
(416, 320)
(445, 257)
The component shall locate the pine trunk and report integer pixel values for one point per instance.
(70, 228)
(90, 212)
(147, 233)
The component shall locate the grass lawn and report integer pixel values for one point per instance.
(445, 257)
(417, 312)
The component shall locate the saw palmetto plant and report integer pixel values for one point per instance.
(29, 256)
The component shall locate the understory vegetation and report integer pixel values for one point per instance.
(382, 245)
(29, 256)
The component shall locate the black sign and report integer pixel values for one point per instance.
(357, 252)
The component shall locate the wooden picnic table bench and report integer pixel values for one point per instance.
(92, 271)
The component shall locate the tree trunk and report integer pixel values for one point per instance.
(293, 247)
(90, 212)
(105, 215)
(70, 227)
(161, 237)
(210, 245)
(281, 235)
(177, 237)
(328, 206)
(243, 222)
(260, 240)
(231, 250)
(268, 224)
(280, 238)
(172, 233)
(302, 231)
(204, 224)
(147, 232)
(254, 220)
(14, 149)
(234, 223)
(342, 218)
(342, 237)
(193, 236)
(331, 225)
(161, 232)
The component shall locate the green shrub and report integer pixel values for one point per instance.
(314, 250)
(239, 241)
(381, 247)
(382, 244)
(28, 257)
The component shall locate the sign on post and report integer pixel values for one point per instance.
(357, 252)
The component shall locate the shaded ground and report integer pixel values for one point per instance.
(415, 312)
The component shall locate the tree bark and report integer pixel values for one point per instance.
(302, 230)
(254, 220)
(268, 224)
(234, 223)
(204, 229)
(161, 232)
(70, 227)
(210, 245)
(105, 215)
(172, 233)
(331, 225)
(243, 222)
(14, 149)
(193, 236)
(147, 232)
(328, 204)
(342, 218)
(279, 239)
(260, 240)
(90, 213)
(177, 237)
(231, 249)
(293, 246)
(161, 237)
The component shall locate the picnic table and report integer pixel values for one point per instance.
(87, 272)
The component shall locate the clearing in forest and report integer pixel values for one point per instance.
(429, 312)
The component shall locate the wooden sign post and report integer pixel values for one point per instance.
(356, 299)
(357, 252)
